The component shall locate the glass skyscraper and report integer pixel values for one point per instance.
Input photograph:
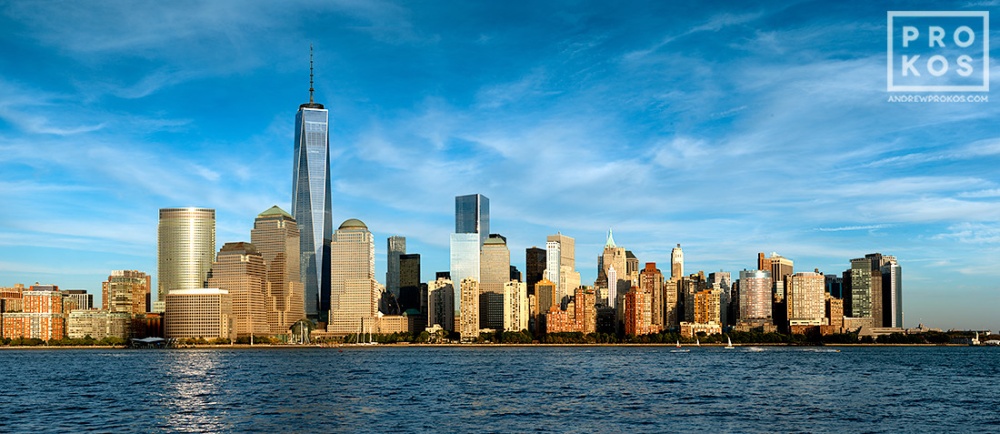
(311, 204)
(185, 249)
(472, 216)
(472, 227)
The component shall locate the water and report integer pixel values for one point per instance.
(580, 389)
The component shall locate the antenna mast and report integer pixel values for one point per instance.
(310, 74)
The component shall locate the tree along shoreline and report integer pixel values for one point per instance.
(511, 339)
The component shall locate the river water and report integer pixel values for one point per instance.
(508, 389)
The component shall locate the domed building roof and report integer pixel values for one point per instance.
(353, 224)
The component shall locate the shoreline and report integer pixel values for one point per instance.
(483, 345)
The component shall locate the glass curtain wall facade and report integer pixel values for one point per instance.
(311, 204)
(185, 248)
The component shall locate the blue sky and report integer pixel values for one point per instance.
(729, 127)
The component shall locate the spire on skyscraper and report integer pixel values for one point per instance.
(611, 240)
(310, 73)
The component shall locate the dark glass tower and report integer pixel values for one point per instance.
(311, 205)
(472, 216)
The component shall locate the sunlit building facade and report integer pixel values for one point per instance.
(198, 313)
(275, 235)
(755, 295)
(469, 319)
(354, 292)
(186, 248)
(126, 291)
(494, 274)
(240, 270)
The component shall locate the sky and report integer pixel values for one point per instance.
(730, 128)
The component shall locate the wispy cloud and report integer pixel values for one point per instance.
(853, 228)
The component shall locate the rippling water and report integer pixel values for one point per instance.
(577, 389)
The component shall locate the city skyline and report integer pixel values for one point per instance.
(678, 130)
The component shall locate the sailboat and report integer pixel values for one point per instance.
(697, 343)
(729, 343)
(679, 350)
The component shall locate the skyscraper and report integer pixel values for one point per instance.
(395, 246)
(534, 267)
(755, 296)
(676, 263)
(469, 320)
(240, 270)
(561, 265)
(858, 301)
(494, 274)
(472, 216)
(892, 293)
(651, 281)
(275, 234)
(354, 291)
(409, 282)
(185, 249)
(472, 228)
(613, 258)
(311, 203)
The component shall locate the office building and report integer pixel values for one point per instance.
(409, 283)
(676, 263)
(651, 282)
(472, 216)
(395, 247)
(892, 293)
(198, 313)
(494, 274)
(560, 265)
(186, 248)
(126, 291)
(545, 298)
(354, 292)
(858, 293)
(834, 285)
(311, 201)
(275, 235)
(535, 261)
(240, 270)
(611, 271)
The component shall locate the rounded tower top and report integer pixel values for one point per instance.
(353, 224)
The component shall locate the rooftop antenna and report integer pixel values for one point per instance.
(310, 74)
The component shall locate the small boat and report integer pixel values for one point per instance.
(729, 345)
(697, 343)
(678, 343)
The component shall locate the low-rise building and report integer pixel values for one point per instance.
(198, 313)
(98, 324)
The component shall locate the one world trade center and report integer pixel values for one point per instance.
(311, 201)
